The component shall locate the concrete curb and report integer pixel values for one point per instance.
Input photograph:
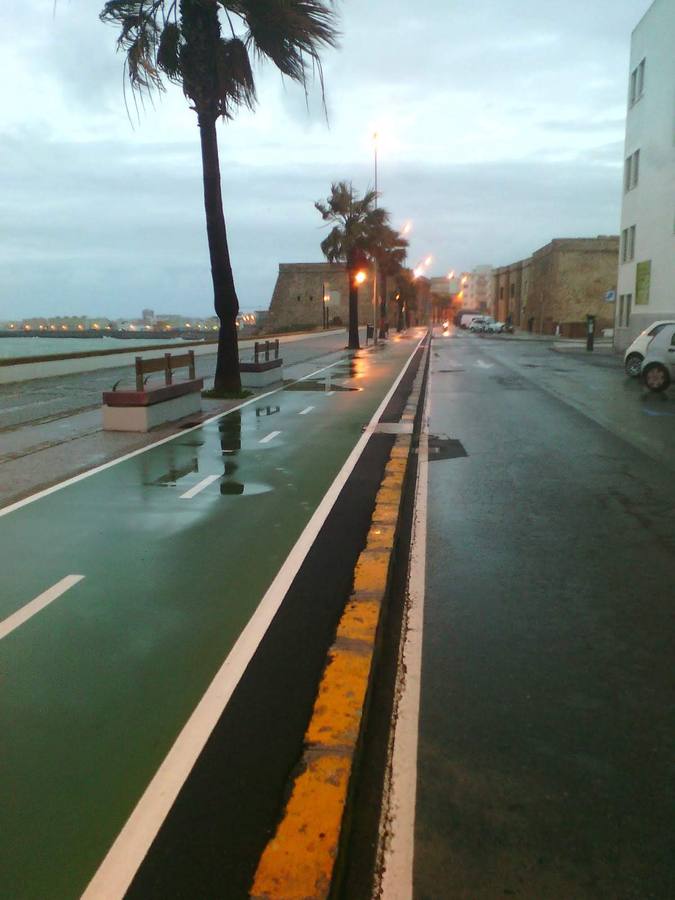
(300, 860)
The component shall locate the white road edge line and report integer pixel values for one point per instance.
(122, 861)
(172, 437)
(397, 822)
(269, 437)
(199, 487)
(8, 625)
(307, 409)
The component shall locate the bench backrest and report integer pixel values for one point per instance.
(265, 347)
(167, 364)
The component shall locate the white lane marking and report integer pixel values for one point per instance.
(397, 822)
(13, 507)
(199, 487)
(329, 393)
(306, 410)
(44, 599)
(121, 863)
(483, 365)
(269, 437)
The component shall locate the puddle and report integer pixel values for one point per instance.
(237, 489)
(442, 447)
(174, 474)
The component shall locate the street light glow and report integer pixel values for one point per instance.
(451, 274)
(428, 260)
(360, 277)
(406, 228)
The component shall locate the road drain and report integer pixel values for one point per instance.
(445, 448)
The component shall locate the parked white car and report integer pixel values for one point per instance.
(481, 323)
(658, 367)
(495, 327)
(635, 354)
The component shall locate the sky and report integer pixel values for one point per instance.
(501, 126)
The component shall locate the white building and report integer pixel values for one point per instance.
(646, 282)
(479, 289)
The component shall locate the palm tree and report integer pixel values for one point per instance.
(389, 250)
(182, 40)
(405, 297)
(350, 240)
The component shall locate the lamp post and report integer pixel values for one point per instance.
(375, 273)
(325, 298)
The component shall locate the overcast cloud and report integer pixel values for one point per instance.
(501, 120)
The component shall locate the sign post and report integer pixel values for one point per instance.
(590, 332)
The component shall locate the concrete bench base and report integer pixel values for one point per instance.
(261, 375)
(143, 418)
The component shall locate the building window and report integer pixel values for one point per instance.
(628, 244)
(637, 82)
(501, 292)
(513, 291)
(631, 172)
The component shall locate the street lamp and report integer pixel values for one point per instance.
(375, 139)
(326, 299)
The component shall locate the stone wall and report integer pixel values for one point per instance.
(297, 299)
(559, 285)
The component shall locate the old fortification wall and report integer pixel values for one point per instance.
(297, 300)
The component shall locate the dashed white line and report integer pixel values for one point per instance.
(44, 599)
(329, 393)
(199, 487)
(306, 410)
(269, 437)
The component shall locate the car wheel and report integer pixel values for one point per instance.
(656, 377)
(633, 365)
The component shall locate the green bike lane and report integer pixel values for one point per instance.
(176, 546)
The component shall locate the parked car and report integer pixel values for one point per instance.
(635, 354)
(495, 327)
(658, 367)
(481, 323)
(467, 319)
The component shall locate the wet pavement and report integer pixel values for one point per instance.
(51, 429)
(135, 583)
(545, 758)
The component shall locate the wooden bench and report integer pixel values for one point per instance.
(148, 406)
(263, 370)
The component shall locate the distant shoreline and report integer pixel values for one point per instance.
(98, 334)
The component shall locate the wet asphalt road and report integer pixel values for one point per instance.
(547, 728)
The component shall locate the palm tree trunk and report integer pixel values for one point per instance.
(353, 311)
(382, 302)
(224, 292)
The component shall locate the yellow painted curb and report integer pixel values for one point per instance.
(298, 863)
